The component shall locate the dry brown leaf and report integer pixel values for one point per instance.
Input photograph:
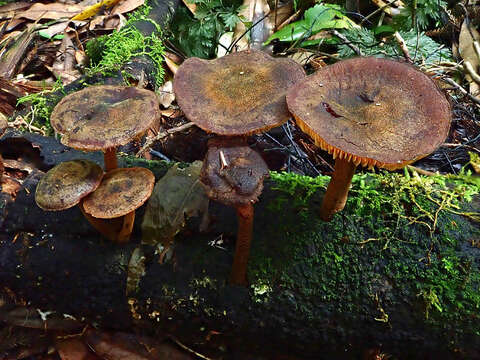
(64, 65)
(7, 11)
(127, 6)
(74, 349)
(192, 7)
(50, 11)
(468, 35)
(166, 95)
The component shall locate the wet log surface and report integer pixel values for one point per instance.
(318, 290)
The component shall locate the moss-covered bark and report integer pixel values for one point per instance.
(398, 267)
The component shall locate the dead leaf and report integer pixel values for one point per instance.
(253, 11)
(475, 161)
(136, 270)
(74, 349)
(7, 11)
(127, 6)
(191, 6)
(166, 95)
(469, 35)
(50, 11)
(94, 9)
(176, 197)
(64, 65)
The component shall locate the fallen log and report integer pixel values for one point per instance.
(397, 269)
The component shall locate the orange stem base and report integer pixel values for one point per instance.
(337, 190)
(242, 248)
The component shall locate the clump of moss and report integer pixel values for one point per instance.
(397, 240)
(109, 53)
(40, 105)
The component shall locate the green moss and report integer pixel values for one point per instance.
(110, 52)
(40, 106)
(398, 239)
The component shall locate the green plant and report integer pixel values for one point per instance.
(108, 53)
(40, 105)
(421, 47)
(316, 19)
(423, 14)
(197, 35)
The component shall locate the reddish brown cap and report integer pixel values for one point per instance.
(239, 94)
(102, 117)
(122, 191)
(64, 185)
(232, 172)
(374, 112)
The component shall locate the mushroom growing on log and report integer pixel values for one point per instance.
(369, 112)
(237, 95)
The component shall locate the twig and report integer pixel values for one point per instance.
(162, 135)
(462, 90)
(377, 11)
(183, 346)
(347, 42)
(471, 71)
(421, 171)
(403, 46)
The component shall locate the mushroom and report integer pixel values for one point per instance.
(369, 111)
(66, 184)
(233, 174)
(121, 192)
(104, 117)
(236, 96)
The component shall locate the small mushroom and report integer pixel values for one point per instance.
(104, 117)
(369, 111)
(233, 174)
(120, 193)
(236, 96)
(64, 185)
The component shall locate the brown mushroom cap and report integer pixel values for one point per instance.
(238, 180)
(239, 94)
(370, 111)
(122, 191)
(101, 117)
(64, 185)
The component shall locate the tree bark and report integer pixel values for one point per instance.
(405, 279)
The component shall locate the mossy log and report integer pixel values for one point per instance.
(398, 268)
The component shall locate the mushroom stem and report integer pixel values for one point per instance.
(337, 190)
(108, 228)
(110, 159)
(127, 227)
(242, 248)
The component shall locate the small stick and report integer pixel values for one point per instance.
(403, 46)
(347, 42)
(462, 90)
(471, 71)
(163, 134)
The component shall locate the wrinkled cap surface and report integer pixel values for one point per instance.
(101, 117)
(239, 94)
(64, 185)
(121, 191)
(232, 172)
(374, 112)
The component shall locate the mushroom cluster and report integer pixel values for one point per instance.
(235, 96)
(370, 112)
(101, 118)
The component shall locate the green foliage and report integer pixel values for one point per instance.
(317, 18)
(198, 35)
(422, 48)
(422, 13)
(108, 53)
(40, 106)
